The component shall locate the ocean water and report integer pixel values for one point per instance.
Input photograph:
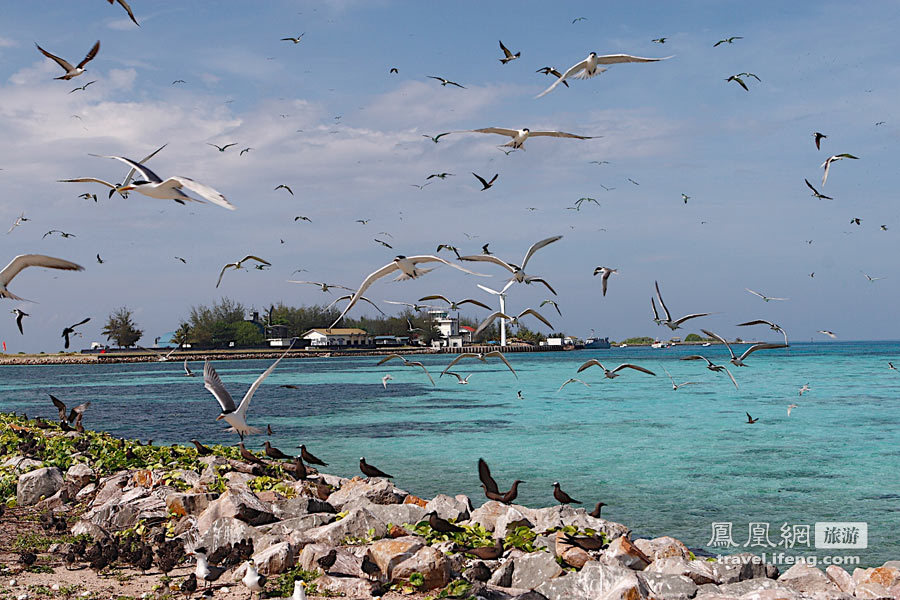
(666, 462)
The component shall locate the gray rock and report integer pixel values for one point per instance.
(376, 491)
(663, 547)
(290, 508)
(277, 558)
(447, 507)
(85, 492)
(507, 522)
(401, 557)
(533, 569)
(596, 582)
(238, 503)
(669, 587)
(34, 485)
(502, 576)
(80, 475)
(566, 516)
(110, 488)
(871, 590)
(228, 530)
(751, 566)
(346, 564)
(809, 581)
(487, 514)
(708, 589)
(188, 504)
(349, 587)
(477, 572)
(85, 527)
(493, 592)
(747, 586)
(356, 524)
(21, 464)
(841, 579)
(622, 551)
(238, 479)
(397, 514)
(297, 524)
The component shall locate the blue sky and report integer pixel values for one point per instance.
(325, 117)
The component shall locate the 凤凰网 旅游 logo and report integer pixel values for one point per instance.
(840, 534)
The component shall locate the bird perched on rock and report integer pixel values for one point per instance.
(273, 452)
(308, 457)
(300, 472)
(596, 512)
(370, 471)
(249, 456)
(201, 449)
(484, 474)
(442, 525)
(370, 567)
(585, 542)
(485, 552)
(327, 561)
(561, 496)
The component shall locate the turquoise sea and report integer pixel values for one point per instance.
(666, 462)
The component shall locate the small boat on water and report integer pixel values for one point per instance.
(659, 344)
(597, 344)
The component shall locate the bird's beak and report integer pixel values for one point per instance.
(220, 417)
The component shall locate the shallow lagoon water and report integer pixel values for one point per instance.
(666, 463)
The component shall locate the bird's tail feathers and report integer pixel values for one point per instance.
(416, 273)
(245, 430)
(583, 74)
(11, 296)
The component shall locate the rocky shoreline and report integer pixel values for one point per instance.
(105, 505)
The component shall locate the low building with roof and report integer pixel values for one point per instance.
(350, 336)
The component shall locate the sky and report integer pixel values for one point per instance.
(326, 118)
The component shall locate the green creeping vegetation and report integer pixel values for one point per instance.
(283, 585)
(460, 588)
(106, 454)
(35, 542)
(475, 536)
(360, 541)
(265, 483)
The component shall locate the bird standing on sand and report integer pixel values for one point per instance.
(370, 471)
(253, 581)
(70, 70)
(204, 571)
(327, 561)
(236, 416)
(310, 458)
(561, 496)
(23, 261)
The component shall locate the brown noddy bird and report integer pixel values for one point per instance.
(596, 512)
(308, 457)
(509, 496)
(561, 496)
(751, 420)
(485, 552)
(491, 495)
(327, 561)
(249, 456)
(300, 471)
(201, 449)
(370, 471)
(442, 525)
(484, 474)
(273, 452)
(585, 543)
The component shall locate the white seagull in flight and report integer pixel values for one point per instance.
(520, 135)
(22, 261)
(518, 272)
(170, 189)
(763, 296)
(236, 416)
(590, 67)
(668, 322)
(239, 265)
(407, 265)
(70, 70)
(115, 188)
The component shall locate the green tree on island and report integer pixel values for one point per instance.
(120, 328)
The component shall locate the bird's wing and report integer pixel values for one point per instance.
(509, 132)
(569, 72)
(61, 62)
(90, 55)
(481, 179)
(484, 324)
(499, 355)
(653, 304)
(82, 322)
(222, 273)
(34, 260)
(143, 160)
(755, 322)
(612, 59)
(762, 346)
(457, 375)
(488, 258)
(475, 302)
(213, 383)
(505, 50)
(730, 376)
(336, 300)
(424, 258)
(128, 10)
(698, 357)
(561, 134)
(389, 357)
(144, 171)
(364, 299)
(457, 359)
(204, 191)
(87, 180)
(427, 374)
(245, 403)
(186, 369)
(635, 367)
(670, 376)
(539, 280)
(688, 317)
(60, 406)
(537, 246)
(661, 303)
(591, 363)
(535, 314)
(256, 258)
(435, 297)
(809, 185)
(827, 166)
(484, 474)
(721, 339)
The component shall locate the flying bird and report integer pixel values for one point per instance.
(804, 388)
(816, 193)
(589, 67)
(440, 175)
(729, 40)
(385, 379)
(675, 386)
(552, 71)
(453, 249)
(856, 221)
(486, 184)
(508, 56)
(738, 361)
(764, 297)
(713, 367)
(483, 358)
(576, 19)
(70, 70)
(61, 233)
(296, 40)
(363, 298)
(383, 243)
(23, 261)
(421, 187)
(302, 218)
(19, 316)
(408, 267)
(454, 305)
(70, 330)
(394, 70)
(239, 265)
(828, 333)
(518, 272)
(571, 380)
(83, 87)
(459, 378)
(181, 259)
(127, 8)
(751, 420)
(485, 251)
(99, 260)
(437, 138)
(445, 82)
(771, 325)
(177, 81)
(512, 320)
(222, 148)
(612, 374)
(668, 322)
(818, 139)
(790, 408)
(187, 370)
(170, 189)
(325, 287)
(118, 188)
(737, 79)
(605, 272)
(19, 220)
(661, 40)
(872, 279)
(520, 135)
(236, 416)
(827, 164)
(284, 187)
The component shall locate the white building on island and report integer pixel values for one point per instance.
(338, 337)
